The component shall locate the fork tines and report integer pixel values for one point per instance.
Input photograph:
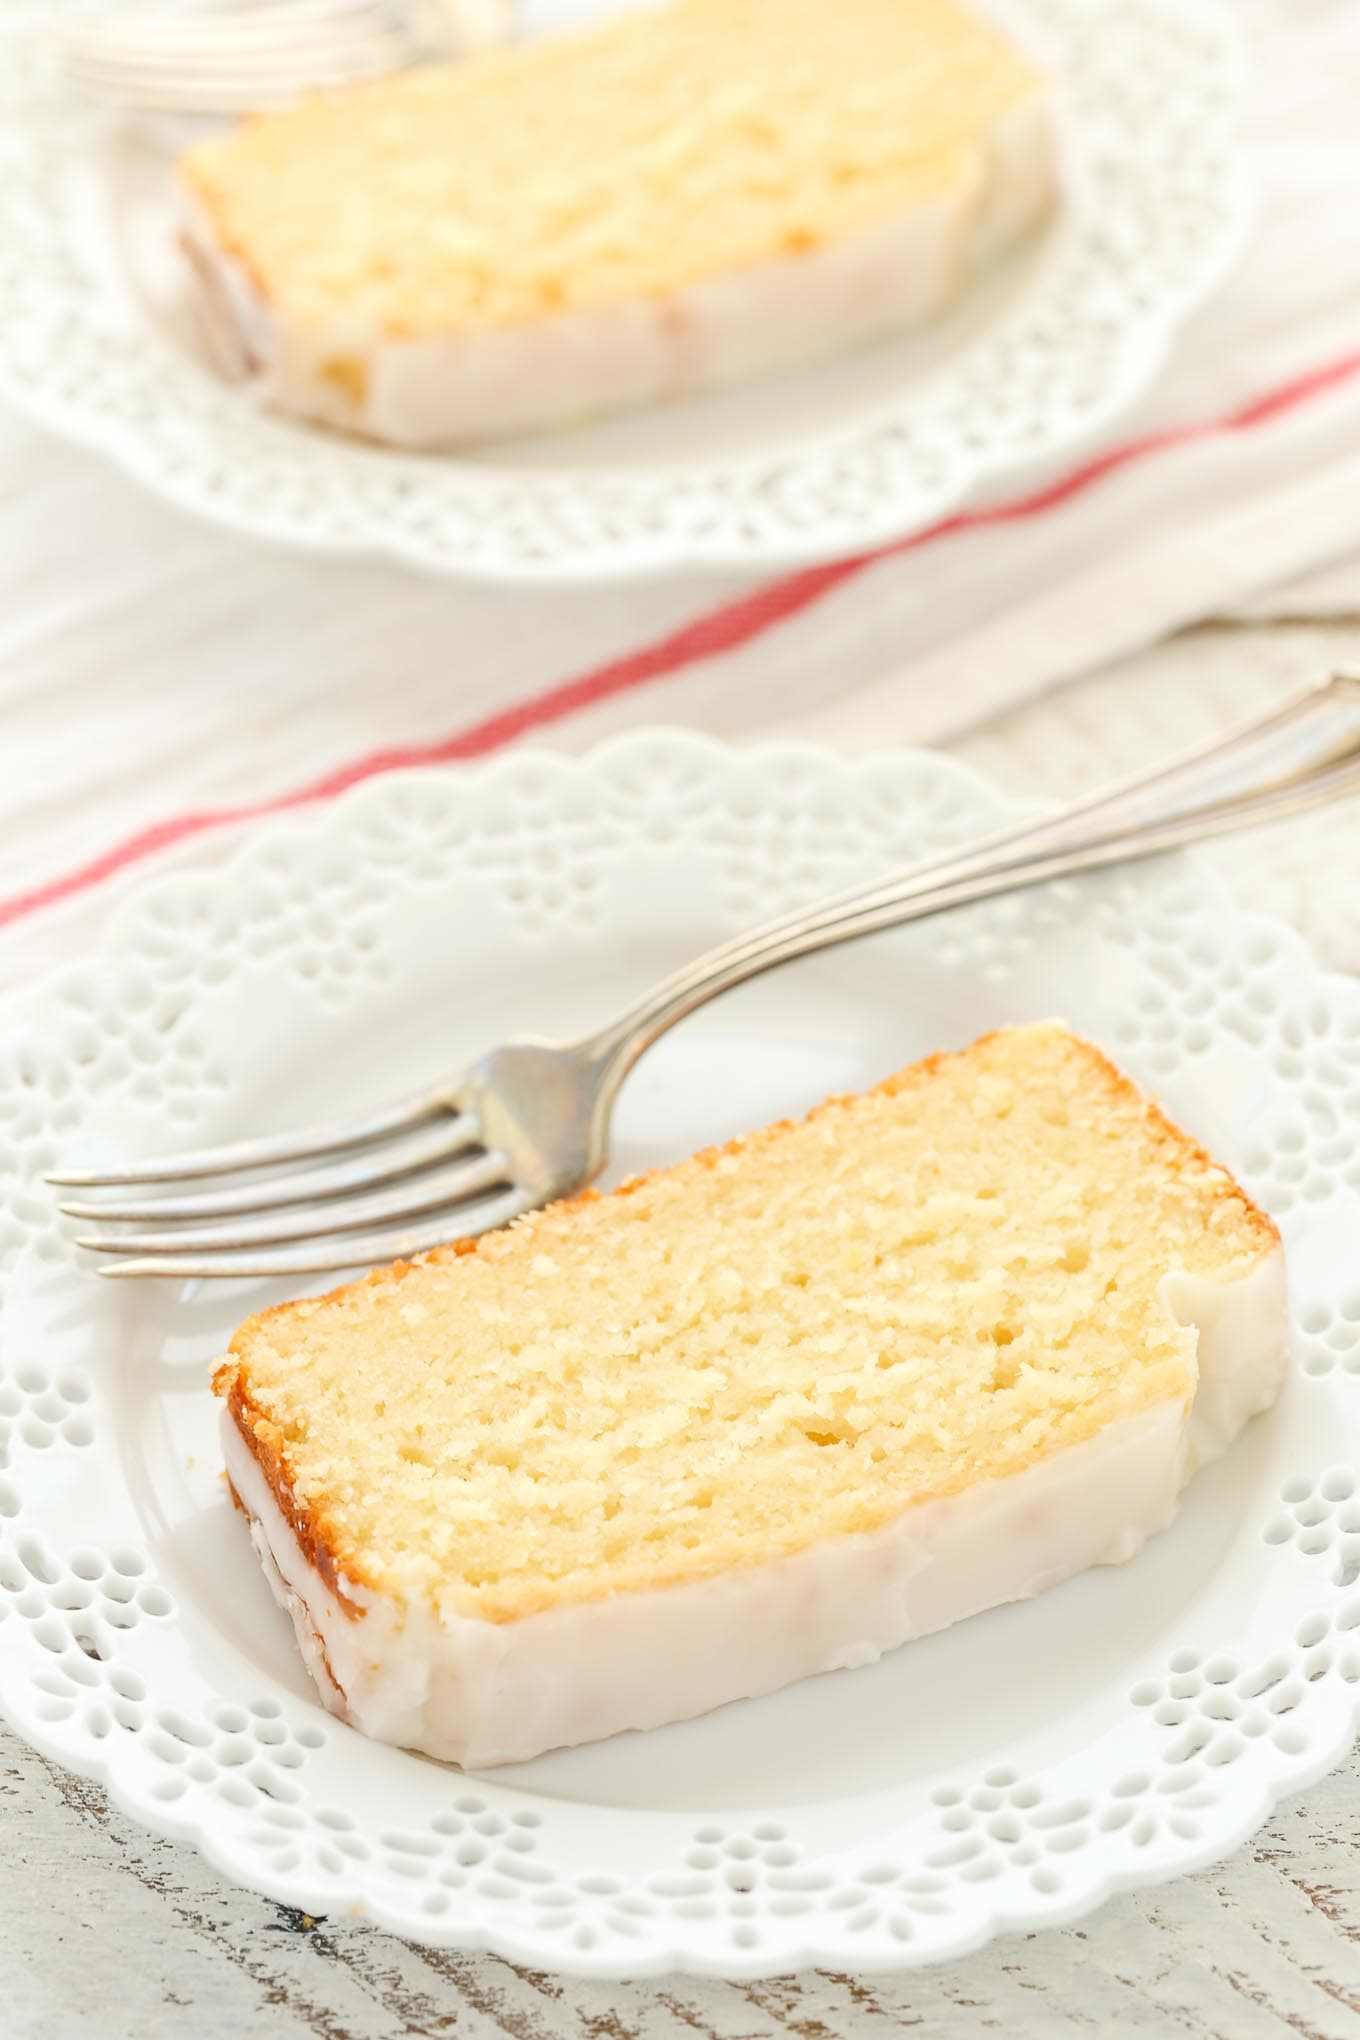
(406, 1179)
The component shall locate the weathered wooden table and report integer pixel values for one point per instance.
(107, 1932)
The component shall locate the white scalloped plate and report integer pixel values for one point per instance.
(1009, 1773)
(95, 341)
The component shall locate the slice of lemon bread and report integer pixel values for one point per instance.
(769, 1412)
(670, 201)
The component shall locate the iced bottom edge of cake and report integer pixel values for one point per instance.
(479, 1693)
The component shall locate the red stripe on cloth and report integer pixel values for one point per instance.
(710, 636)
(721, 630)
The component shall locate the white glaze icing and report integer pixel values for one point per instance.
(1243, 1342)
(479, 1693)
(452, 390)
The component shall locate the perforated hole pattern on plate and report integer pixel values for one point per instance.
(1191, 1744)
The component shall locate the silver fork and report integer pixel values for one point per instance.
(231, 60)
(530, 1121)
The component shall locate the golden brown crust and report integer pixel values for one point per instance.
(318, 1536)
(1175, 1137)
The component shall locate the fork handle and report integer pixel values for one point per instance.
(1299, 756)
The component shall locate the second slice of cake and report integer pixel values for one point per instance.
(768, 1413)
(662, 204)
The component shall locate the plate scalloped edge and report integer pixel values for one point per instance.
(106, 1671)
(1157, 209)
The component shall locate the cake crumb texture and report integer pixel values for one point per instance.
(625, 161)
(781, 1341)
